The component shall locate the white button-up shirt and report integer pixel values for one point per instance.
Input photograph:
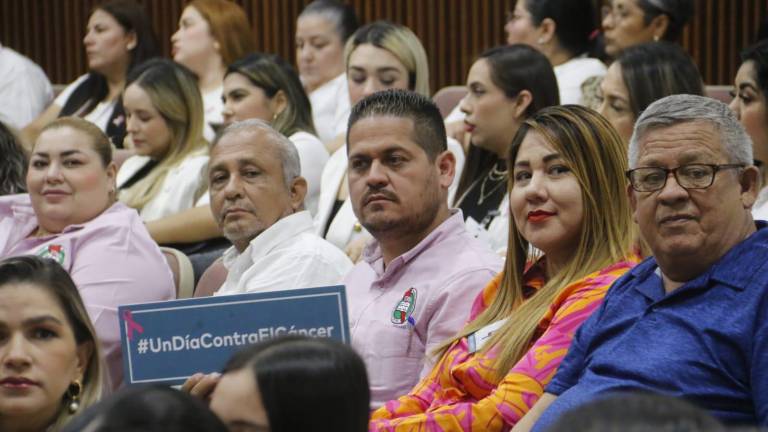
(286, 255)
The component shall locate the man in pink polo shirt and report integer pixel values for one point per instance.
(416, 282)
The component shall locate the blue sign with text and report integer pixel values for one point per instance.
(167, 342)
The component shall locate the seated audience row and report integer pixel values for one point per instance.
(565, 32)
(690, 321)
(566, 249)
(119, 37)
(450, 343)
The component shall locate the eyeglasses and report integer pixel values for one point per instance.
(689, 176)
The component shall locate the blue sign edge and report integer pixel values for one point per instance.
(334, 290)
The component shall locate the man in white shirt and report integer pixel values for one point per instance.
(24, 89)
(257, 198)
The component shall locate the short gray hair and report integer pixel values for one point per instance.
(684, 108)
(289, 156)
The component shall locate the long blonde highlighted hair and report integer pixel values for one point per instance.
(173, 91)
(598, 159)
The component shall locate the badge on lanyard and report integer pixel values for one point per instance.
(477, 340)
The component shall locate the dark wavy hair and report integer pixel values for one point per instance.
(13, 163)
(306, 382)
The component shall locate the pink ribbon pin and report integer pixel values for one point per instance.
(132, 325)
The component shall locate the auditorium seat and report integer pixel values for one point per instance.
(212, 279)
(120, 155)
(181, 267)
(447, 98)
(720, 92)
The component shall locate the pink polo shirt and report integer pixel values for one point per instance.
(423, 297)
(111, 258)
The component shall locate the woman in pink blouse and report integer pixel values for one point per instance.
(70, 215)
(570, 238)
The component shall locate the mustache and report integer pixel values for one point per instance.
(379, 193)
(236, 206)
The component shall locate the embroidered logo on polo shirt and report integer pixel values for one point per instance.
(54, 252)
(404, 308)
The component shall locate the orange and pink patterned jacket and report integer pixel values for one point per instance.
(462, 392)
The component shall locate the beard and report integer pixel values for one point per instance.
(412, 218)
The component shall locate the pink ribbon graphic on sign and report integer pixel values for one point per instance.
(132, 325)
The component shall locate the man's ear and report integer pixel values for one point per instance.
(446, 166)
(298, 191)
(750, 186)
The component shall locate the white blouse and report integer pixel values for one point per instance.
(180, 186)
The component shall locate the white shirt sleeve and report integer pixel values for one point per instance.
(313, 156)
(24, 89)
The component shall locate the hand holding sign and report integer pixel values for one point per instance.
(201, 385)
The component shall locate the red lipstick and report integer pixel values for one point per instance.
(539, 216)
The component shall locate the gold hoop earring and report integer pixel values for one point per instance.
(73, 393)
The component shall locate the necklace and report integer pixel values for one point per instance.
(495, 175)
